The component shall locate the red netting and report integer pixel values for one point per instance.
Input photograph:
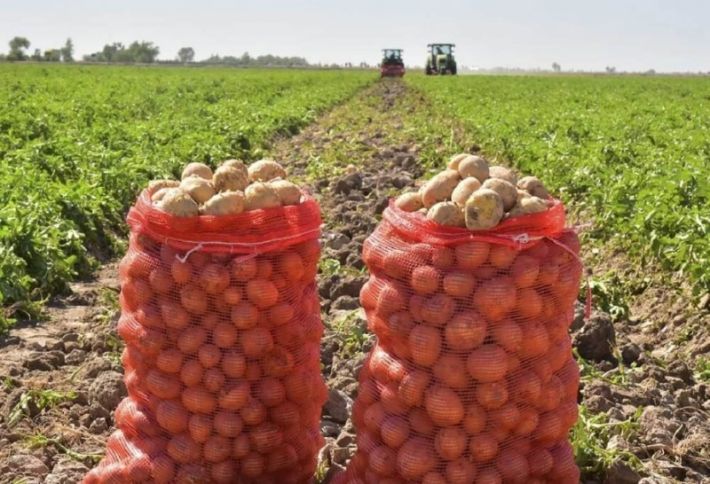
(221, 320)
(472, 378)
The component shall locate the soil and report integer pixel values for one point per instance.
(62, 377)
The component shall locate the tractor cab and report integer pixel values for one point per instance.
(440, 59)
(392, 64)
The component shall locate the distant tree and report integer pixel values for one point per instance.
(556, 67)
(610, 70)
(52, 55)
(267, 60)
(186, 54)
(37, 56)
(110, 52)
(68, 51)
(143, 52)
(651, 72)
(17, 48)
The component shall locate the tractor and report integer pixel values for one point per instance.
(392, 64)
(440, 59)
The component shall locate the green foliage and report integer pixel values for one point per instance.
(630, 154)
(594, 448)
(40, 440)
(702, 369)
(610, 295)
(39, 400)
(351, 332)
(78, 143)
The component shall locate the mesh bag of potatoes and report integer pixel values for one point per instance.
(221, 320)
(473, 282)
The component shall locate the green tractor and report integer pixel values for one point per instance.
(440, 59)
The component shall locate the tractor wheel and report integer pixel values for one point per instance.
(453, 70)
(428, 70)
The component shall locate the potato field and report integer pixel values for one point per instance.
(629, 156)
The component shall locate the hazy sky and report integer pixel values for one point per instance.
(629, 34)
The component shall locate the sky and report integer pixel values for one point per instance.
(632, 35)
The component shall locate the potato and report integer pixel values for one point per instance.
(350, 169)
(483, 209)
(288, 193)
(474, 166)
(197, 169)
(455, 160)
(464, 190)
(236, 164)
(504, 173)
(156, 185)
(409, 202)
(446, 213)
(224, 203)
(260, 195)
(265, 170)
(177, 202)
(198, 188)
(533, 186)
(229, 178)
(159, 194)
(507, 191)
(527, 205)
(439, 188)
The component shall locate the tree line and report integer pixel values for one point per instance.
(140, 52)
(17, 52)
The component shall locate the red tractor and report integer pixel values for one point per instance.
(392, 64)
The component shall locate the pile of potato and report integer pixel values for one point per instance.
(231, 189)
(472, 194)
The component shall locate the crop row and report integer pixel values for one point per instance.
(77, 143)
(631, 154)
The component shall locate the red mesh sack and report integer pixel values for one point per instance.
(221, 320)
(472, 378)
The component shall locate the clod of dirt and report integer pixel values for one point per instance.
(338, 407)
(346, 303)
(24, 465)
(630, 353)
(621, 473)
(596, 338)
(66, 471)
(336, 241)
(97, 365)
(658, 425)
(98, 426)
(348, 183)
(107, 390)
(44, 361)
(75, 357)
(348, 286)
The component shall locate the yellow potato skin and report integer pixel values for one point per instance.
(409, 202)
(483, 210)
(439, 188)
(446, 213)
(197, 169)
